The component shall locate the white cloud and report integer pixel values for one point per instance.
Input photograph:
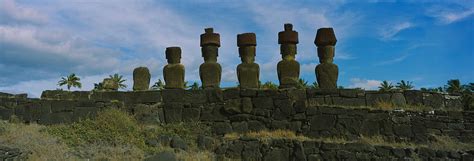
(12, 12)
(389, 32)
(448, 16)
(392, 61)
(364, 83)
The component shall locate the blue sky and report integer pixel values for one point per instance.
(427, 42)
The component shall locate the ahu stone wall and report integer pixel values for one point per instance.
(312, 112)
(295, 150)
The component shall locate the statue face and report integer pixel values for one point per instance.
(288, 49)
(174, 58)
(326, 54)
(247, 54)
(210, 53)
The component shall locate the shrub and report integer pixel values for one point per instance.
(111, 127)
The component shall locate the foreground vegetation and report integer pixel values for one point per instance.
(113, 135)
(116, 135)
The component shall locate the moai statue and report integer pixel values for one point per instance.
(288, 69)
(210, 71)
(248, 72)
(326, 71)
(173, 72)
(141, 78)
(110, 85)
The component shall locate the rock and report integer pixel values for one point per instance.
(141, 78)
(173, 72)
(110, 85)
(178, 143)
(323, 122)
(210, 71)
(288, 69)
(162, 156)
(247, 72)
(398, 99)
(326, 72)
(205, 142)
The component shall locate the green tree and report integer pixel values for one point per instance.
(315, 85)
(98, 86)
(186, 86)
(302, 84)
(454, 86)
(405, 85)
(194, 86)
(469, 87)
(119, 80)
(269, 85)
(70, 81)
(159, 85)
(386, 86)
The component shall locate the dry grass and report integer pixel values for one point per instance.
(31, 138)
(384, 105)
(266, 135)
(195, 156)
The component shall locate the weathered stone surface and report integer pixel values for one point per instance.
(325, 37)
(247, 105)
(248, 72)
(327, 75)
(326, 72)
(178, 143)
(398, 99)
(191, 114)
(434, 100)
(205, 142)
(110, 85)
(221, 128)
(374, 98)
(322, 122)
(277, 155)
(413, 97)
(173, 112)
(141, 78)
(288, 69)
(263, 102)
(142, 97)
(173, 72)
(173, 95)
(210, 71)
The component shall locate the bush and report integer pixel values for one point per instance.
(110, 127)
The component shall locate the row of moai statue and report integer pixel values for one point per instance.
(248, 71)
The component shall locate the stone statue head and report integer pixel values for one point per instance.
(173, 55)
(288, 36)
(247, 43)
(247, 54)
(325, 37)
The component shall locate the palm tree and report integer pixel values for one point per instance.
(405, 85)
(453, 86)
(119, 80)
(194, 86)
(315, 85)
(269, 85)
(301, 84)
(385, 86)
(159, 85)
(70, 81)
(98, 86)
(468, 87)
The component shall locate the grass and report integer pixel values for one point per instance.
(112, 135)
(267, 135)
